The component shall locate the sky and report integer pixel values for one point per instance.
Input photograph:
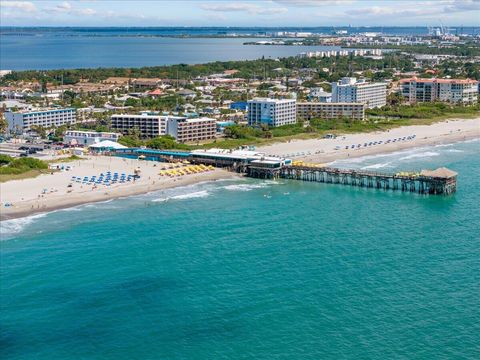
(240, 13)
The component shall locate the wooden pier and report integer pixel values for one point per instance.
(441, 181)
(437, 182)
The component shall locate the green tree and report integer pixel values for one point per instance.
(130, 141)
(40, 130)
(3, 125)
(162, 142)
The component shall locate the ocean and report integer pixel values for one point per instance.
(43, 48)
(251, 269)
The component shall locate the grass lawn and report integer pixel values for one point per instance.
(26, 175)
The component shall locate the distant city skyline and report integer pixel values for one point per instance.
(241, 13)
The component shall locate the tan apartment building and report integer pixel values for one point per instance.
(191, 130)
(318, 110)
(181, 128)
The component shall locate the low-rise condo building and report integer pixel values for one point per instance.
(181, 128)
(272, 112)
(463, 91)
(317, 110)
(22, 121)
(87, 138)
(191, 130)
(351, 90)
(148, 125)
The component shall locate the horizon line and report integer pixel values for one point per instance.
(229, 26)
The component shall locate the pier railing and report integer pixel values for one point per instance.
(440, 181)
(401, 181)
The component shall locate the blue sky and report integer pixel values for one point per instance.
(239, 13)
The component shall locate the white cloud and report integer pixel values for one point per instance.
(418, 9)
(63, 7)
(26, 6)
(313, 3)
(252, 9)
(67, 8)
(86, 12)
(377, 10)
(463, 5)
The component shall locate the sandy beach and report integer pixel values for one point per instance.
(328, 150)
(51, 192)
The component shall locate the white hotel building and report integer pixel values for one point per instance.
(464, 91)
(21, 121)
(87, 138)
(272, 112)
(181, 128)
(349, 90)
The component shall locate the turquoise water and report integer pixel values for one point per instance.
(252, 270)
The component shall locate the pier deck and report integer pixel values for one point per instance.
(436, 182)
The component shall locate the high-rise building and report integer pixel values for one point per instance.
(271, 112)
(351, 90)
(449, 90)
(22, 121)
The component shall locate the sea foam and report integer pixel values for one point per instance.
(426, 154)
(245, 187)
(10, 228)
(193, 195)
(377, 166)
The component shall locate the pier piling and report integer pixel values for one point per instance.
(437, 182)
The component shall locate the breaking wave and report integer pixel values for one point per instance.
(377, 166)
(193, 195)
(10, 228)
(245, 187)
(426, 154)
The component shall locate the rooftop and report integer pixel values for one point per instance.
(439, 173)
(237, 154)
(36, 111)
(440, 81)
(269, 100)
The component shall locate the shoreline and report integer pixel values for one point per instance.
(33, 204)
(24, 194)
(72, 204)
(324, 150)
(401, 147)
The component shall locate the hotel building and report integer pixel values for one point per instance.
(190, 130)
(448, 90)
(272, 112)
(88, 138)
(181, 128)
(149, 126)
(317, 110)
(22, 121)
(349, 90)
